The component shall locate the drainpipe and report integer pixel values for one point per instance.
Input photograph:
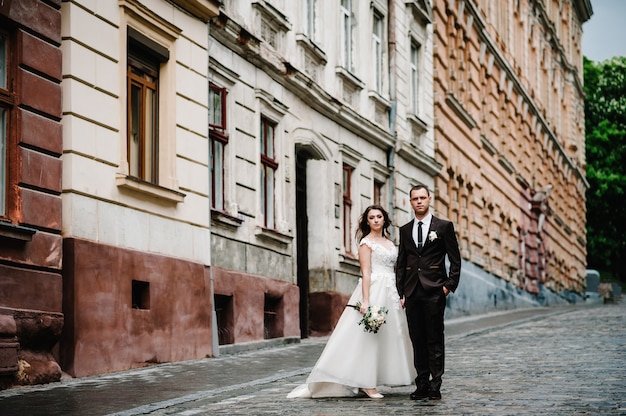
(215, 345)
(391, 6)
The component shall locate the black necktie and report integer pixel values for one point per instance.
(419, 234)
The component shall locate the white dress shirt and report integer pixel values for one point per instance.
(425, 226)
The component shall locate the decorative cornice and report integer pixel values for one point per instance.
(554, 40)
(202, 9)
(584, 9)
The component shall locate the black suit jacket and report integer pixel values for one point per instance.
(428, 264)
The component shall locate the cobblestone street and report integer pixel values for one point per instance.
(566, 361)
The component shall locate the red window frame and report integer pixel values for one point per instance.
(269, 165)
(7, 103)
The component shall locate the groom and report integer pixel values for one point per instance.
(423, 285)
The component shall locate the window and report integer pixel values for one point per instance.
(415, 75)
(148, 158)
(346, 34)
(377, 49)
(378, 191)
(6, 102)
(219, 139)
(347, 207)
(3, 165)
(268, 171)
(140, 294)
(3, 61)
(310, 18)
(144, 59)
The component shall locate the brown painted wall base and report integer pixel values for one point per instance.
(126, 309)
(255, 307)
(325, 308)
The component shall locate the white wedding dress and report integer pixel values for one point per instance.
(353, 358)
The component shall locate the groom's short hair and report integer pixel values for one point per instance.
(418, 187)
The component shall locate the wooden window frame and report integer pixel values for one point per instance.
(7, 104)
(219, 139)
(140, 66)
(346, 34)
(347, 172)
(311, 19)
(378, 23)
(415, 74)
(268, 165)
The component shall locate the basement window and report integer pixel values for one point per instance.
(140, 295)
(225, 319)
(272, 317)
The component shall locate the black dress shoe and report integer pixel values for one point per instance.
(419, 394)
(434, 395)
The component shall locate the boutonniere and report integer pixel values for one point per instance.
(432, 235)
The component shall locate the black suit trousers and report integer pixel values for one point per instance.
(426, 328)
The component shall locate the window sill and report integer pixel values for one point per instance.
(418, 124)
(506, 164)
(488, 146)
(422, 10)
(16, 232)
(350, 261)
(379, 100)
(272, 14)
(312, 47)
(347, 76)
(460, 111)
(224, 218)
(137, 185)
(273, 235)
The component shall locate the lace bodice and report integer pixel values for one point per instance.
(383, 260)
(383, 257)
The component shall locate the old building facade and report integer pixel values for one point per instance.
(180, 175)
(104, 218)
(136, 251)
(319, 109)
(31, 289)
(510, 136)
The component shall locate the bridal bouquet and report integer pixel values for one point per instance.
(373, 319)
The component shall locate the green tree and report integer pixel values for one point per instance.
(605, 140)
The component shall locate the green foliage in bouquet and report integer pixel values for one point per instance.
(374, 317)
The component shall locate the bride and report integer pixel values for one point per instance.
(353, 358)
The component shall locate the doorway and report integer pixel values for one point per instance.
(302, 240)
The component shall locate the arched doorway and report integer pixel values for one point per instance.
(305, 151)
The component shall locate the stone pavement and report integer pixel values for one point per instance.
(541, 361)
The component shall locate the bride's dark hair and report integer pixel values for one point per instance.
(364, 228)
